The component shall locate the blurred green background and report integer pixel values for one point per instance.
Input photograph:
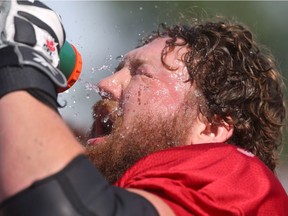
(104, 30)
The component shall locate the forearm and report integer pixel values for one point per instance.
(34, 142)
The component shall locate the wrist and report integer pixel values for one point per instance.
(30, 79)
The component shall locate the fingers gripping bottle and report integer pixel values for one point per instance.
(70, 64)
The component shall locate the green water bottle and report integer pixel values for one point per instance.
(70, 64)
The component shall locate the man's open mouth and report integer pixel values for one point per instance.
(105, 113)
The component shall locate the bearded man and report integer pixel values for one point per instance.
(190, 124)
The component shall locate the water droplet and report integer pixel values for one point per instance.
(177, 87)
(104, 94)
(76, 114)
(119, 111)
(93, 70)
(140, 8)
(105, 119)
(89, 87)
(103, 67)
(110, 57)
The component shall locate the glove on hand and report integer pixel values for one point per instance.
(31, 34)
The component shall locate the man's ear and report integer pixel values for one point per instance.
(218, 133)
(206, 132)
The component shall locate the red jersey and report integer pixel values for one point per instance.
(209, 179)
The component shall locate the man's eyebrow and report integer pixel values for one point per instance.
(137, 62)
(133, 63)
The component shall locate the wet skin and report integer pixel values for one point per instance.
(142, 85)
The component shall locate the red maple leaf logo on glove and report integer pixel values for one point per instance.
(50, 45)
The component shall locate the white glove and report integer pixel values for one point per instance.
(36, 34)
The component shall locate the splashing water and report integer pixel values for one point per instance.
(90, 87)
(105, 119)
(104, 67)
(93, 87)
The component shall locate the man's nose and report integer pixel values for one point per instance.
(112, 86)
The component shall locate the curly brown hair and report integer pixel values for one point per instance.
(239, 83)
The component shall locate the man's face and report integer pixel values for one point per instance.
(141, 86)
(145, 104)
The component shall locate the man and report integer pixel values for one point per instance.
(189, 124)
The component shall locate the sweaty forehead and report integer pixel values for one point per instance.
(146, 54)
(153, 51)
(153, 48)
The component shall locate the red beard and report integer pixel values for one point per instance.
(124, 147)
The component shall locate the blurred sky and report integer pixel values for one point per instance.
(104, 30)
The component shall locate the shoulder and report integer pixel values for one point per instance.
(218, 175)
(216, 162)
